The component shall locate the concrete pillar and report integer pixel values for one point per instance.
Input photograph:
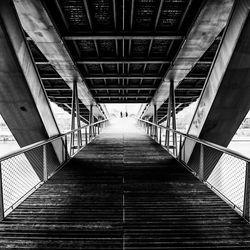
(23, 101)
(225, 100)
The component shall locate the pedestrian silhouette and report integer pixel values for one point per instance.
(121, 114)
(126, 114)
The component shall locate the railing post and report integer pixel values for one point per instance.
(155, 121)
(1, 195)
(179, 156)
(89, 131)
(167, 140)
(201, 167)
(246, 204)
(160, 137)
(72, 143)
(45, 167)
(86, 136)
(90, 121)
(66, 148)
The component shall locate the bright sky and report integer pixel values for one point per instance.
(116, 108)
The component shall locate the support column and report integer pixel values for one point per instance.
(155, 121)
(1, 195)
(79, 133)
(246, 205)
(224, 102)
(75, 118)
(91, 121)
(171, 119)
(24, 104)
(172, 98)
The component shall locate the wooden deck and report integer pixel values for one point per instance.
(123, 191)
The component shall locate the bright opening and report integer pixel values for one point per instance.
(122, 117)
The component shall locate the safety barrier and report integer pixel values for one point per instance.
(223, 170)
(24, 170)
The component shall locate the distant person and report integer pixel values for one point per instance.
(126, 114)
(121, 114)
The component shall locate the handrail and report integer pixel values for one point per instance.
(232, 186)
(203, 142)
(24, 170)
(43, 142)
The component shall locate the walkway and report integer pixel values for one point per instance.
(123, 191)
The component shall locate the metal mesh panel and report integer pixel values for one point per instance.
(23, 172)
(228, 177)
(223, 172)
(18, 178)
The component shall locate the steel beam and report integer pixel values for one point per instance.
(123, 37)
(123, 88)
(122, 77)
(117, 60)
(122, 96)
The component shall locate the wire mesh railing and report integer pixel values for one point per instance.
(223, 170)
(25, 170)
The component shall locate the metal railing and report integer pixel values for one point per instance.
(223, 170)
(24, 170)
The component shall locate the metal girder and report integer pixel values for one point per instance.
(122, 96)
(124, 36)
(158, 14)
(122, 77)
(123, 88)
(117, 60)
(104, 96)
(114, 14)
(141, 100)
(207, 26)
(57, 89)
(85, 2)
(189, 89)
(51, 78)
